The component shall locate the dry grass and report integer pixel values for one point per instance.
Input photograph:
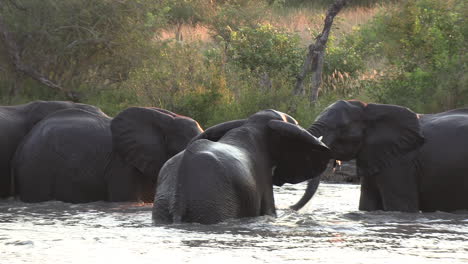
(309, 22)
(189, 32)
(306, 22)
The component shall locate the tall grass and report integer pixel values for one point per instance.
(306, 21)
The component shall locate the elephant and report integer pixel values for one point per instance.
(78, 156)
(229, 170)
(406, 161)
(15, 122)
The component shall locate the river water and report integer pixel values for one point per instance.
(329, 229)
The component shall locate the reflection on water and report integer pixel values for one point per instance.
(327, 230)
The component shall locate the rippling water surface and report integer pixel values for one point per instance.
(329, 229)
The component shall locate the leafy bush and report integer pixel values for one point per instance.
(231, 15)
(266, 49)
(78, 42)
(342, 58)
(423, 46)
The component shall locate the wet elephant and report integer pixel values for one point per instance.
(229, 170)
(78, 156)
(406, 161)
(15, 122)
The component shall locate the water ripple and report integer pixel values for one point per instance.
(328, 230)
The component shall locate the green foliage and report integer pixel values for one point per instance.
(266, 49)
(110, 52)
(187, 11)
(342, 58)
(79, 42)
(424, 33)
(234, 14)
(423, 44)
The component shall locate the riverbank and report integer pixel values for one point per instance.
(344, 173)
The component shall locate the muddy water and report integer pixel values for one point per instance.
(328, 230)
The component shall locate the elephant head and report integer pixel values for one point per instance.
(297, 155)
(378, 132)
(147, 137)
(373, 134)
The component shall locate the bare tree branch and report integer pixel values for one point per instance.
(315, 56)
(17, 5)
(87, 41)
(14, 54)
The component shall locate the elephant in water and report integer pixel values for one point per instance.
(406, 161)
(15, 122)
(229, 170)
(77, 156)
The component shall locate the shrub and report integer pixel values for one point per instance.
(80, 43)
(423, 46)
(266, 49)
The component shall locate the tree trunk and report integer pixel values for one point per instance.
(15, 86)
(265, 81)
(317, 75)
(178, 35)
(315, 56)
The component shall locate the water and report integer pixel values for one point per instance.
(327, 230)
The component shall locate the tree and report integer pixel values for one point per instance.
(314, 59)
(187, 11)
(66, 45)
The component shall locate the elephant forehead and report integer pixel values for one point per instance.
(340, 116)
(334, 117)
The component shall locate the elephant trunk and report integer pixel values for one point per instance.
(317, 129)
(312, 186)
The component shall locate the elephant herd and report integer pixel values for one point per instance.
(71, 152)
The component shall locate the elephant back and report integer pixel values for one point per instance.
(63, 158)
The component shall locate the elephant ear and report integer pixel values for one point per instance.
(216, 132)
(298, 155)
(139, 135)
(391, 131)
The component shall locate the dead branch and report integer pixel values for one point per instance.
(13, 51)
(316, 54)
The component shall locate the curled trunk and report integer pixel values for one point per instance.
(317, 130)
(312, 186)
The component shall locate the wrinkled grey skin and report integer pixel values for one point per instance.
(77, 156)
(15, 122)
(229, 170)
(406, 161)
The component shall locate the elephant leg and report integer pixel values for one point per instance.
(398, 187)
(268, 203)
(124, 182)
(5, 180)
(370, 199)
